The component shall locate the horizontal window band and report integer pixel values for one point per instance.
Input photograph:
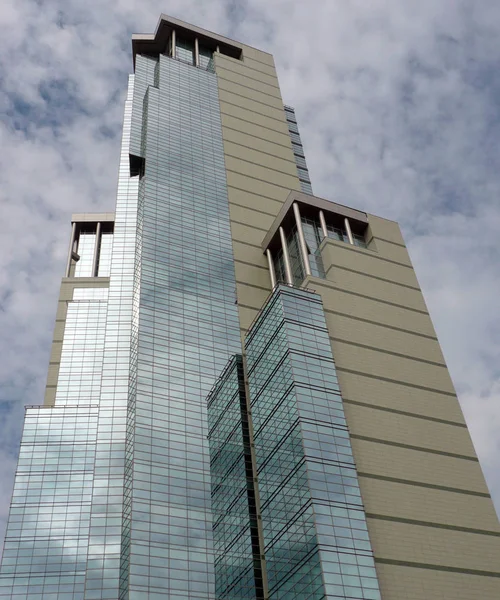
(329, 284)
(389, 352)
(402, 563)
(431, 524)
(410, 447)
(397, 381)
(378, 324)
(403, 412)
(410, 287)
(432, 486)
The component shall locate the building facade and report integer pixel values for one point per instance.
(246, 396)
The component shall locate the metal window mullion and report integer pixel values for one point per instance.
(71, 246)
(96, 250)
(348, 230)
(172, 42)
(302, 239)
(323, 224)
(286, 257)
(272, 272)
(196, 52)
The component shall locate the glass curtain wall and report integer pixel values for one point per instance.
(315, 533)
(187, 330)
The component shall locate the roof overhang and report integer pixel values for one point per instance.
(310, 206)
(154, 44)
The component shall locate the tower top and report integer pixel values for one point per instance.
(157, 42)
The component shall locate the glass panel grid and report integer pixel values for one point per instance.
(316, 539)
(86, 244)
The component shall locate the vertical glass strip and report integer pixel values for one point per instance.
(236, 541)
(298, 151)
(82, 353)
(103, 569)
(187, 330)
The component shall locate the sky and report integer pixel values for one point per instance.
(398, 105)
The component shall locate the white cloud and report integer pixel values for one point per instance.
(398, 109)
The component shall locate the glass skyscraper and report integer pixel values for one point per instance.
(246, 397)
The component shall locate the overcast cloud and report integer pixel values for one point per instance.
(398, 107)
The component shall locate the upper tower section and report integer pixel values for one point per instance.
(170, 31)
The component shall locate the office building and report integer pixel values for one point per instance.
(246, 397)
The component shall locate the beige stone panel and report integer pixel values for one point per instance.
(241, 81)
(250, 254)
(253, 156)
(254, 296)
(50, 396)
(362, 283)
(405, 429)
(251, 235)
(250, 217)
(337, 254)
(421, 467)
(282, 149)
(411, 583)
(66, 292)
(393, 252)
(59, 331)
(55, 353)
(247, 316)
(383, 365)
(263, 174)
(53, 374)
(252, 123)
(251, 70)
(371, 309)
(385, 229)
(62, 309)
(254, 103)
(254, 275)
(393, 395)
(246, 199)
(258, 55)
(416, 503)
(432, 545)
(383, 338)
(256, 65)
(256, 186)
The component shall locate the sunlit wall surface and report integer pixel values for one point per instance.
(315, 534)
